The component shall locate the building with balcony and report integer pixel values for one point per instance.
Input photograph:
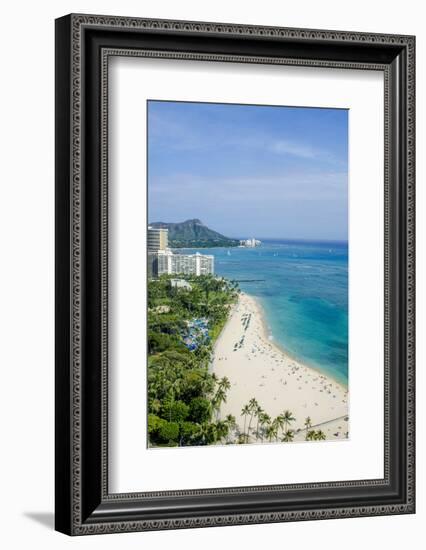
(158, 239)
(197, 264)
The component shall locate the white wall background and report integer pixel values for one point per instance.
(26, 289)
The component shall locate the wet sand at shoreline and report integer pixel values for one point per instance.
(256, 367)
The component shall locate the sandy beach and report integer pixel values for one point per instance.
(256, 367)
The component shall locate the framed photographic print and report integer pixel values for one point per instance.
(234, 274)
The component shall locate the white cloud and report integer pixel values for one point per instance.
(179, 135)
(295, 149)
(256, 189)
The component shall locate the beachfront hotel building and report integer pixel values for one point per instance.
(250, 243)
(162, 261)
(158, 239)
(186, 264)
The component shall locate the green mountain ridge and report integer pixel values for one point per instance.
(194, 234)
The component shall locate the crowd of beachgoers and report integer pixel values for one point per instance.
(257, 368)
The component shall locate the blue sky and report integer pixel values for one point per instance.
(245, 170)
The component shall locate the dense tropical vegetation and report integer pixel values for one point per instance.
(184, 398)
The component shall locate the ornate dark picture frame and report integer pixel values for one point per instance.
(84, 44)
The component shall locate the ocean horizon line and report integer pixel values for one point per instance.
(281, 240)
(296, 240)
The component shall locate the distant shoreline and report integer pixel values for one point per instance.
(272, 241)
(200, 247)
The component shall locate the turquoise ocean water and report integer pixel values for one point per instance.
(303, 289)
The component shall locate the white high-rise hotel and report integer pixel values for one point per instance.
(189, 264)
(162, 261)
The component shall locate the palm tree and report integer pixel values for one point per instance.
(207, 284)
(265, 420)
(218, 399)
(231, 423)
(204, 433)
(317, 435)
(271, 431)
(224, 383)
(222, 429)
(287, 419)
(320, 435)
(308, 422)
(258, 413)
(310, 435)
(244, 412)
(288, 436)
(253, 405)
(279, 424)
